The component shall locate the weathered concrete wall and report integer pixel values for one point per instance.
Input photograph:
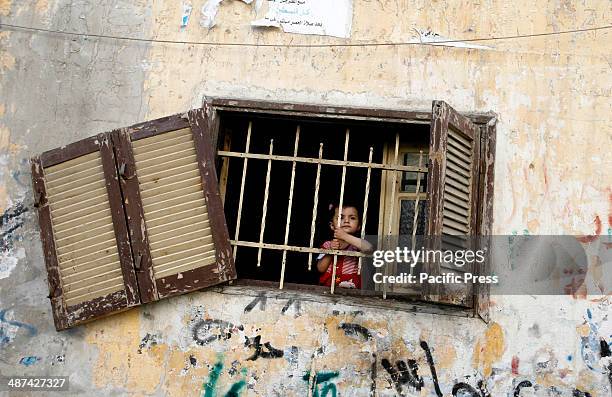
(552, 95)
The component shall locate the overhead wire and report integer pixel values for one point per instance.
(7, 26)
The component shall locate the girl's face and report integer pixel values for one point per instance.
(350, 220)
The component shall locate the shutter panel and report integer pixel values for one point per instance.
(174, 209)
(485, 221)
(83, 230)
(453, 190)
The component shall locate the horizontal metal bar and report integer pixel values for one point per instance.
(312, 160)
(282, 247)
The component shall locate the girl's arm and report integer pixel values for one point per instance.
(324, 263)
(363, 245)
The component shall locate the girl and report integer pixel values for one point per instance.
(344, 238)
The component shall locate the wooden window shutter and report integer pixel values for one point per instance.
(485, 215)
(175, 215)
(83, 231)
(453, 194)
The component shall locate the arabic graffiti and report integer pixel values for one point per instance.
(203, 331)
(210, 386)
(321, 383)
(259, 352)
(402, 373)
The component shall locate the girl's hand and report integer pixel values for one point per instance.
(340, 234)
(338, 244)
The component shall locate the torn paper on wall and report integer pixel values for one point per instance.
(186, 13)
(320, 17)
(429, 37)
(209, 12)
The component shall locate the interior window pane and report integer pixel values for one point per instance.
(407, 217)
(409, 179)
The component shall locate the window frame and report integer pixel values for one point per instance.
(398, 196)
(215, 107)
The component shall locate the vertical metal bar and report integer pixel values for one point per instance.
(242, 182)
(393, 188)
(287, 225)
(416, 205)
(227, 146)
(315, 205)
(365, 205)
(265, 204)
(346, 144)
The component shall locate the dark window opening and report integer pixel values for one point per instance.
(363, 135)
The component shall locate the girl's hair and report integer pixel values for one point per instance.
(332, 209)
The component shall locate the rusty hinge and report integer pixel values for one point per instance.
(138, 261)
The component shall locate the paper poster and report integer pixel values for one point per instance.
(187, 7)
(319, 17)
(429, 37)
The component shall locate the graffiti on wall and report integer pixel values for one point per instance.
(403, 374)
(10, 222)
(10, 327)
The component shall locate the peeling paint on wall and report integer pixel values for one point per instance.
(5, 7)
(489, 349)
(10, 222)
(7, 62)
(29, 360)
(9, 327)
(42, 6)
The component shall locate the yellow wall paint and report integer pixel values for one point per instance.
(489, 349)
(5, 7)
(41, 6)
(7, 62)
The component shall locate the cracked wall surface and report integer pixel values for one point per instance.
(552, 98)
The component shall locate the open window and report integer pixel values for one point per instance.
(408, 173)
(142, 213)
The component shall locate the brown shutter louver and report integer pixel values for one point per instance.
(453, 192)
(83, 230)
(175, 214)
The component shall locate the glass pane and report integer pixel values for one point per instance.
(409, 179)
(407, 217)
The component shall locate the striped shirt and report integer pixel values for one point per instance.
(346, 268)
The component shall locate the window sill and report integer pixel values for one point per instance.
(320, 294)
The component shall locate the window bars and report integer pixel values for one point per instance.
(319, 161)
